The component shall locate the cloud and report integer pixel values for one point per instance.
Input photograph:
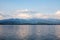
(23, 16)
(1, 16)
(22, 11)
(57, 14)
(25, 11)
(1, 12)
(40, 15)
(28, 14)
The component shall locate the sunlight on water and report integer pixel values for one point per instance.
(57, 30)
(30, 32)
(23, 31)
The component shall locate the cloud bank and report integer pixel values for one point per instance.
(30, 14)
(27, 14)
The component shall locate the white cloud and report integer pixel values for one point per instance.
(56, 15)
(40, 15)
(1, 16)
(25, 11)
(58, 12)
(1, 12)
(23, 16)
(28, 14)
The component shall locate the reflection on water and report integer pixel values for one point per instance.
(29, 32)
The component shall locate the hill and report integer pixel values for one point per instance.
(30, 22)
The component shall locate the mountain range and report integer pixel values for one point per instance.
(30, 22)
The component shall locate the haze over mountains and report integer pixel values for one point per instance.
(28, 17)
(30, 22)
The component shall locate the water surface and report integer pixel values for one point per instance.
(29, 32)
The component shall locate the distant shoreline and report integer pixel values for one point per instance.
(29, 24)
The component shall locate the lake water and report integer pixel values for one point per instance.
(29, 32)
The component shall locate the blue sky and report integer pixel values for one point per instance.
(41, 6)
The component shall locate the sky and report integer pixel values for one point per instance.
(27, 9)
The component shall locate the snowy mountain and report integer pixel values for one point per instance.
(29, 21)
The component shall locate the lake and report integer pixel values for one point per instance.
(29, 32)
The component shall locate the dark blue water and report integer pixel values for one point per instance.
(29, 32)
